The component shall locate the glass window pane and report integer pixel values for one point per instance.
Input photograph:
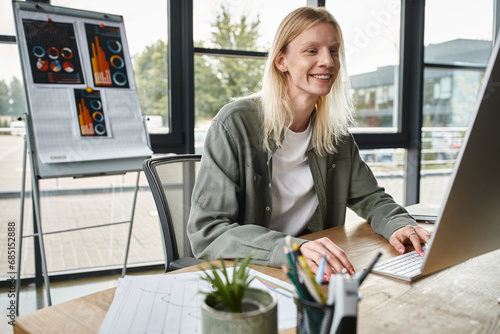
(450, 98)
(12, 98)
(387, 165)
(211, 19)
(217, 80)
(7, 26)
(462, 36)
(371, 32)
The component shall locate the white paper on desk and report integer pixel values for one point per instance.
(171, 303)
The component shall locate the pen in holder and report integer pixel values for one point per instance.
(335, 314)
(313, 317)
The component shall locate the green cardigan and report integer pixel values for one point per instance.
(232, 202)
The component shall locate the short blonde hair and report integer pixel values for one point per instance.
(334, 112)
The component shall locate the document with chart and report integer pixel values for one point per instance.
(172, 303)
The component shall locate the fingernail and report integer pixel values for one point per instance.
(326, 278)
(422, 252)
(353, 272)
(401, 251)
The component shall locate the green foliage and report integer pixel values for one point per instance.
(4, 98)
(241, 35)
(210, 93)
(216, 79)
(228, 291)
(12, 98)
(151, 77)
(237, 76)
(17, 95)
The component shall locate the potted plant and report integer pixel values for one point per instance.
(235, 307)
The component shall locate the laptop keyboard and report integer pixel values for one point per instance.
(408, 265)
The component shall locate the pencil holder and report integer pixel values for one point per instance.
(313, 317)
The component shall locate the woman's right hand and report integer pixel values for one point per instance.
(337, 260)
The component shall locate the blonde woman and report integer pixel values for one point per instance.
(282, 162)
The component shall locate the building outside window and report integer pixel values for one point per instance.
(454, 63)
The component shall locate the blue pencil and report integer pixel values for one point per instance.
(321, 270)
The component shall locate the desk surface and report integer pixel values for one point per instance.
(461, 299)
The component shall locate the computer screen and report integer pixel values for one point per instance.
(468, 224)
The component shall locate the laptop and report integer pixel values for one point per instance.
(468, 222)
(423, 212)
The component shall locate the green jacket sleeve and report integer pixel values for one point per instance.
(371, 202)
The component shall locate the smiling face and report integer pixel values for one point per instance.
(310, 62)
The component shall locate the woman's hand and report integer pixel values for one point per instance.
(416, 235)
(336, 258)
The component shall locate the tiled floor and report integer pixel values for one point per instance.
(85, 248)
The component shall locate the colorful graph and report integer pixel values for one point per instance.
(102, 74)
(53, 52)
(107, 56)
(91, 114)
(86, 125)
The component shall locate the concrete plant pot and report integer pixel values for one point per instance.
(260, 315)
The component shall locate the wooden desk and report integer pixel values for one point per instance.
(461, 299)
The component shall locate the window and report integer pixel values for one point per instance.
(7, 23)
(254, 23)
(371, 32)
(462, 36)
(217, 80)
(455, 59)
(12, 100)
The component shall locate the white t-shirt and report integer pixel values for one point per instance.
(294, 197)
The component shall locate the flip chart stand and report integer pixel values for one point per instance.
(84, 116)
(37, 221)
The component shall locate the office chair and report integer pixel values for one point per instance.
(171, 180)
